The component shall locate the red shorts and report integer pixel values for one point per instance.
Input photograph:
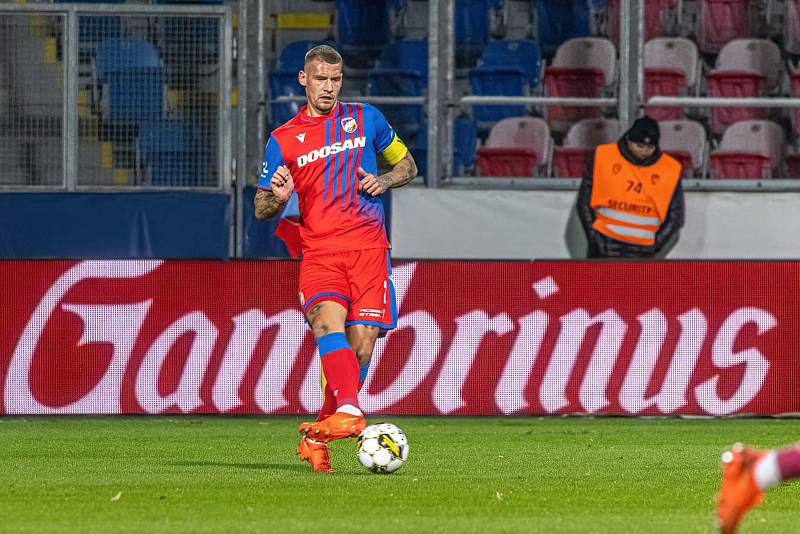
(359, 280)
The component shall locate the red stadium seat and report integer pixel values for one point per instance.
(794, 84)
(734, 84)
(581, 139)
(660, 18)
(516, 146)
(575, 82)
(721, 21)
(686, 141)
(507, 161)
(740, 165)
(745, 68)
(582, 67)
(750, 149)
(791, 27)
(793, 165)
(670, 69)
(571, 162)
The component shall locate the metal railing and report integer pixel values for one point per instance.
(135, 95)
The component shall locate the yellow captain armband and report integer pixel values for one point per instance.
(396, 151)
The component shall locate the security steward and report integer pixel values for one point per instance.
(630, 202)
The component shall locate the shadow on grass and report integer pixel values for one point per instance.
(293, 467)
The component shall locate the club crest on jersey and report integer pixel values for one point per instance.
(349, 124)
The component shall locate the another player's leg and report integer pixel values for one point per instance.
(746, 474)
(313, 451)
(362, 339)
(341, 370)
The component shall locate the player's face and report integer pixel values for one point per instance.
(322, 81)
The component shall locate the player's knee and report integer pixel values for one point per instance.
(321, 328)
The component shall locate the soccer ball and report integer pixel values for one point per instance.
(382, 448)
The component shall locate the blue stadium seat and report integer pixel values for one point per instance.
(171, 152)
(472, 30)
(362, 30)
(464, 143)
(132, 70)
(93, 29)
(283, 80)
(402, 70)
(560, 20)
(188, 43)
(510, 67)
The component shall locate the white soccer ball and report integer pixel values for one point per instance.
(382, 448)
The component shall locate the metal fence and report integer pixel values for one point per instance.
(134, 97)
(31, 100)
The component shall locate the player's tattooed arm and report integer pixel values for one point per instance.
(271, 201)
(402, 172)
(267, 204)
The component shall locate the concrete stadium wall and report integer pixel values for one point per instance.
(457, 224)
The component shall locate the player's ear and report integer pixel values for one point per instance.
(301, 78)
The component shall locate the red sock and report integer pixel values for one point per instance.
(789, 462)
(340, 367)
(328, 403)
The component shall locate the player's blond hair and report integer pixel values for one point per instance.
(324, 52)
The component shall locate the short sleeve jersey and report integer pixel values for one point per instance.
(323, 155)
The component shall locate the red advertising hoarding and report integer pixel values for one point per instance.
(669, 338)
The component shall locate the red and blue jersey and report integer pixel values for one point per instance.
(323, 155)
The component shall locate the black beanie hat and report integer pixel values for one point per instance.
(644, 130)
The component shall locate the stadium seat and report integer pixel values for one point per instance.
(750, 149)
(283, 79)
(471, 30)
(561, 20)
(509, 68)
(170, 155)
(671, 67)
(401, 70)
(95, 28)
(685, 140)
(793, 165)
(582, 67)
(745, 68)
(661, 18)
(581, 139)
(722, 21)
(464, 141)
(362, 30)
(794, 88)
(131, 68)
(516, 146)
(791, 27)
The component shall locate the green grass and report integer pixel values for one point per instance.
(513, 474)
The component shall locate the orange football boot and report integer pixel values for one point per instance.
(337, 426)
(739, 491)
(316, 453)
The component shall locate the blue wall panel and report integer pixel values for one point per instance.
(114, 225)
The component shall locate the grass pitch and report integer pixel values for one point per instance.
(486, 475)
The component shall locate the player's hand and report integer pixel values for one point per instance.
(282, 183)
(374, 185)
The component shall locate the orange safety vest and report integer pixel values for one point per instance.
(631, 202)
